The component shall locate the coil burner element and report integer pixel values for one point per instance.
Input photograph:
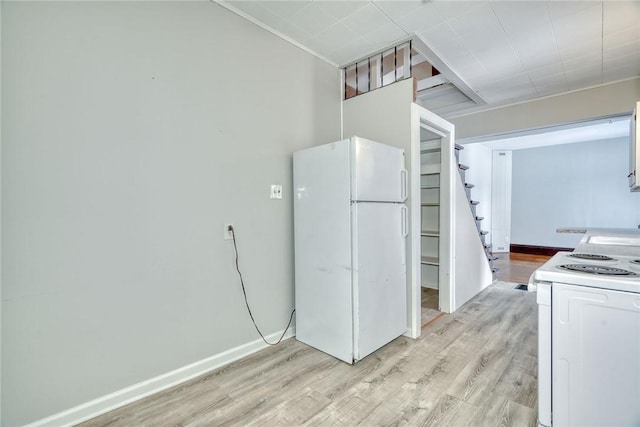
(592, 257)
(597, 269)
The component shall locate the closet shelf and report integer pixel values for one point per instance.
(430, 260)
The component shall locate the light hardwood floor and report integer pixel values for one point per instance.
(475, 367)
(429, 306)
(516, 267)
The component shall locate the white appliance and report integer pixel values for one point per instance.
(589, 339)
(350, 228)
(634, 150)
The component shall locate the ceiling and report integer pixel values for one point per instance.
(504, 51)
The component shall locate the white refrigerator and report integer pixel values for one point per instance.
(350, 229)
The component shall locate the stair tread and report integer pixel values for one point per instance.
(467, 185)
(430, 204)
(458, 147)
(479, 218)
(492, 258)
(483, 233)
(474, 202)
(463, 167)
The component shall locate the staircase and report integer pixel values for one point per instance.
(462, 169)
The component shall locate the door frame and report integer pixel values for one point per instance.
(420, 116)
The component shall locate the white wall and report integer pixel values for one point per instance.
(571, 185)
(132, 131)
(478, 158)
(612, 99)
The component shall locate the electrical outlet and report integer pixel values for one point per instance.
(276, 191)
(227, 232)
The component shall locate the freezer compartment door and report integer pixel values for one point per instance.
(378, 173)
(380, 286)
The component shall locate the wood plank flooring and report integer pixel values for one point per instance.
(517, 267)
(475, 367)
(429, 305)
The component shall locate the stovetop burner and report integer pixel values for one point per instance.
(592, 257)
(597, 269)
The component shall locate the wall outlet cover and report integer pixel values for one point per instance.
(276, 191)
(227, 233)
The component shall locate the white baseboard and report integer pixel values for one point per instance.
(122, 397)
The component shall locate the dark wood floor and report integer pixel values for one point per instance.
(516, 267)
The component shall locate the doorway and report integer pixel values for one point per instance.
(431, 184)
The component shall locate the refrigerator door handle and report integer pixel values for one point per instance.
(405, 227)
(403, 184)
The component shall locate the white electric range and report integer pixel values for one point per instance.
(589, 339)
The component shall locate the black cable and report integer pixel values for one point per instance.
(244, 292)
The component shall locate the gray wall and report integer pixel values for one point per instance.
(612, 99)
(571, 185)
(132, 131)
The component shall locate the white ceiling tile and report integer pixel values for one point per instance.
(385, 35)
(334, 37)
(476, 21)
(536, 47)
(620, 15)
(556, 79)
(257, 10)
(395, 9)
(625, 71)
(584, 81)
(443, 38)
(554, 83)
(293, 31)
(623, 62)
(587, 62)
(624, 50)
(450, 9)
(348, 53)
(473, 73)
(285, 9)
(366, 19)
(584, 72)
(580, 48)
(499, 61)
(546, 71)
(559, 9)
(623, 37)
(341, 9)
(516, 17)
(530, 62)
(313, 19)
(583, 25)
(421, 19)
